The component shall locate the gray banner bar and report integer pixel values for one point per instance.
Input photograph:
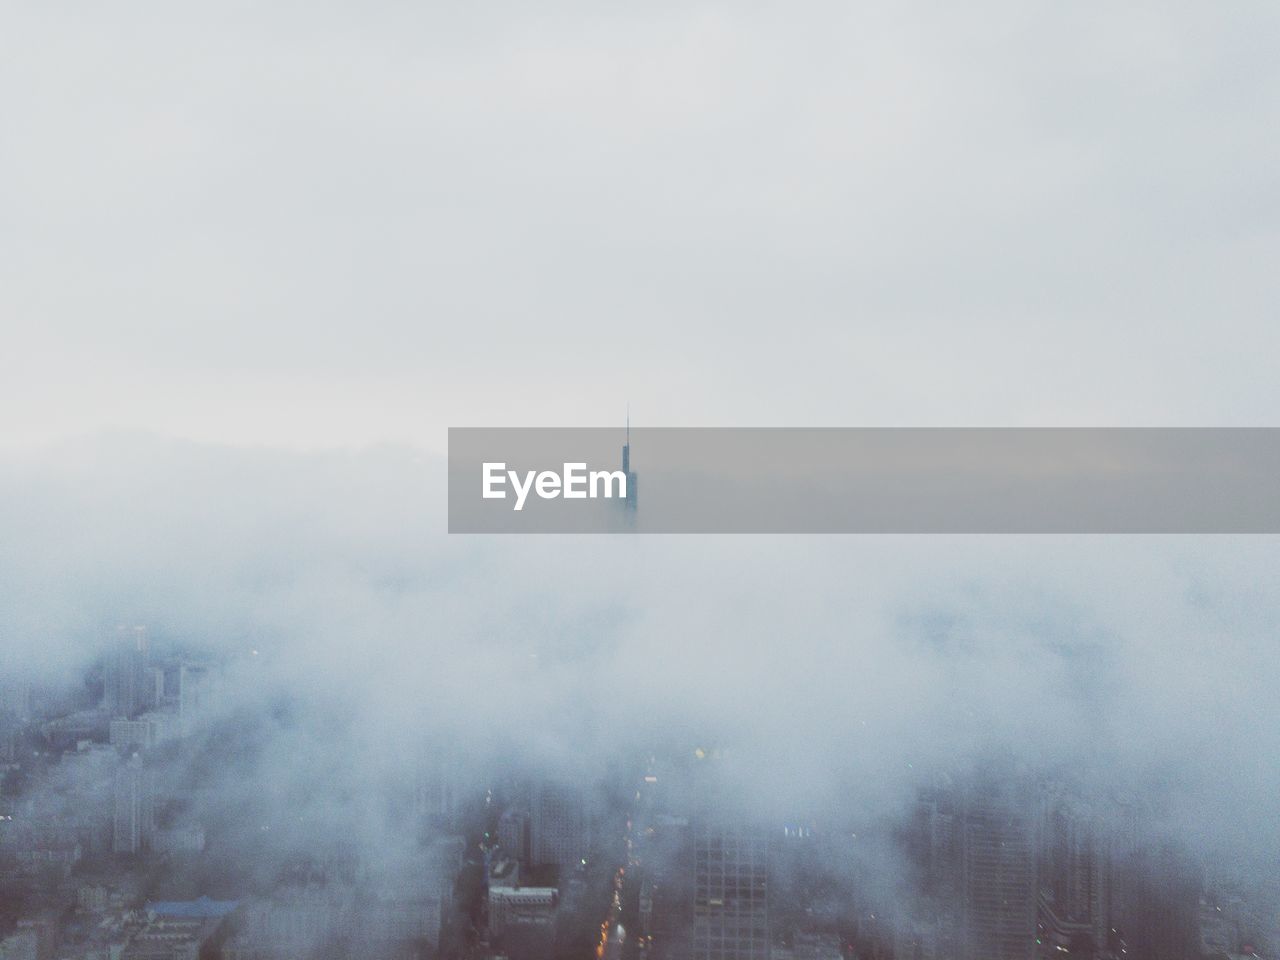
(864, 480)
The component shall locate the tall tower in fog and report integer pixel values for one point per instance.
(998, 881)
(626, 469)
(1074, 873)
(132, 824)
(128, 687)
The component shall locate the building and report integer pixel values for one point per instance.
(930, 928)
(524, 906)
(998, 881)
(731, 893)
(23, 945)
(295, 924)
(514, 834)
(36, 938)
(199, 688)
(403, 899)
(504, 872)
(1074, 871)
(144, 733)
(560, 830)
(816, 946)
(91, 898)
(435, 790)
(1157, 904)
(133, 825)
(16, 699)
(632, 483)
(10, 740)
(185, 839)
(128, 683)
(665, 847)
(181, 930)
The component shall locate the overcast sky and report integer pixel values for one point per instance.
(322, 224)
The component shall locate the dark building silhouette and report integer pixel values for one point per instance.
(997, 870)
(129, 687)
(731, 893)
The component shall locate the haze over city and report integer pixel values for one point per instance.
(256, 703)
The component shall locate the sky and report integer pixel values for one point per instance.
(325, 225)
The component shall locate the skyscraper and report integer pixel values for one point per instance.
(15, 698)
(132, 823)
(560, 831)
(129, 687)
(630, 502)
(731, 893)
(198, 689)
(935, 847)
(1074, 871)
(998, 881)
(1155, 903)
(435, 790)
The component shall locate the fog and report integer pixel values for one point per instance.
(836, 675)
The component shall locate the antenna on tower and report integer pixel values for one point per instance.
(626, 444)
(626, 465)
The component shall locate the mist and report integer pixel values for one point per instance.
(834, 675)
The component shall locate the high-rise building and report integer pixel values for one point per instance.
(133, 824)
(632, 491)
(16, 698)
(934, 843)
(560, 831)
(197, 694)
(514, 834)
(667, 893)
(402, 898)
(129, 686)
(436, 789)
(998, 881)
(9, 734)
(731, 893)
(1073, 876)
(1155, 904)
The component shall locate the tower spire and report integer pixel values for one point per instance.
(626, 465)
